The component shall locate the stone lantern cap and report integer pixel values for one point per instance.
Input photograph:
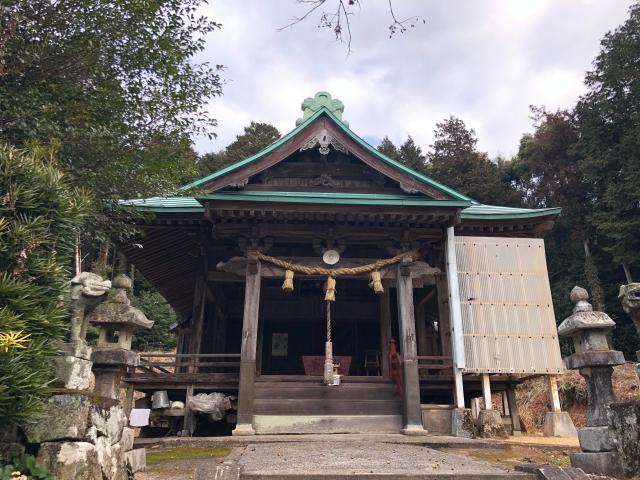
(118, 310)
(584, 318)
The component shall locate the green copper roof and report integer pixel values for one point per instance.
(474, 211)
(323, 110)
(321, 99)
(332, 198)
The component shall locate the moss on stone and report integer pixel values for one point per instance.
(188, 453)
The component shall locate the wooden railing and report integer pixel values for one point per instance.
(172, 363)
(428, 363)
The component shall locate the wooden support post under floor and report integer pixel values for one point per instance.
(486, 391)
(244, 424)
(554, 398)
(513, 410)
(407, 324)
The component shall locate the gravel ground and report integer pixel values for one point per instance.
(359, 458)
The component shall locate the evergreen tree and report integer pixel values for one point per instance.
(411, 155)
(455, 161)
(608, 117)
(387, 148)
(255, 137)
(116, 83)
(39, 223)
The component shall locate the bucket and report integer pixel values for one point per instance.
(160, 400)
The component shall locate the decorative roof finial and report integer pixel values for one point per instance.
(319, 100)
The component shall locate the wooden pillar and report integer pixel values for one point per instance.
(486, 391)
(421, 330)
(195, 342)
(513, 410)
(455, 317)
(244, 424)
(385, 330)
(197, 318)
(407, 324)
(554, 398)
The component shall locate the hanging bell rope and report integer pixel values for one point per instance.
(328, 350)
(376, 283)
(330, 294)
(287, 285)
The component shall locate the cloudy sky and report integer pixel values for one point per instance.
(484, 61)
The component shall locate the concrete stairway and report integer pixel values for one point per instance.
(295, 405)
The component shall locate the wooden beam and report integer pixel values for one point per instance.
(244, 424)
(513, 410)
(407, 324)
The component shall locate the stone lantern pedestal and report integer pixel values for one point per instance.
(117, 320)
(595, 362)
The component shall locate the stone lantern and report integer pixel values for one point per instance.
(117, 320)
(595, 361)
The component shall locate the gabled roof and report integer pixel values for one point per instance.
(208, 189)
(403, 169)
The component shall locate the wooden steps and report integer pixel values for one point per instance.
(288, 405)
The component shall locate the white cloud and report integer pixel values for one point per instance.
(483, 61)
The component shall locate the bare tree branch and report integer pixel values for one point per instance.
(337, 19)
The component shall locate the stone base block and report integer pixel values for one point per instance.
(106, 420)
(66, 460)
(117, 357)
(462, 424)
(127, 439)
(624, 434)
(111, 459)
(436, 420)
(600, 463)
(594, 439)
(63, 417)
(137, 459)
(490, 425)
(72, 372)
(243, 429)
(559, 424)
(10, 450)
(414, 431)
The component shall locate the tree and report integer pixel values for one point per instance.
(39, 223)
(411, 155)
(455, 161)
(116, 83)
(256, 136)
(387, 148)
(608, 121)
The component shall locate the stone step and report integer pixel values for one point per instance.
(305, 406)
(366, 391)
(389, 476)
(300, 424)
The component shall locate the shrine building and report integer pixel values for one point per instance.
(295, 268)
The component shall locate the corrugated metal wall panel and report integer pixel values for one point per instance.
(507, 312)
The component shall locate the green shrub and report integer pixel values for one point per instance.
(26, 466)
(40, 217)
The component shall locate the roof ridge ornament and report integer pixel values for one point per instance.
(321, 99)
